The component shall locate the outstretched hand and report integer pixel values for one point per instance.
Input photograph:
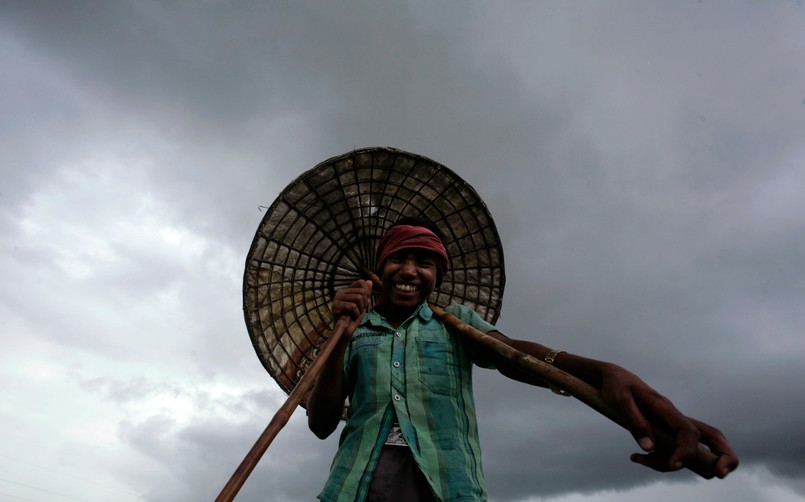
(645, 410)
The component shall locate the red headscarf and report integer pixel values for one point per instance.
(412, 237)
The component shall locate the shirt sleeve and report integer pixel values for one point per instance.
(478, 354)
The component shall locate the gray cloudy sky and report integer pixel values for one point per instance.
(644, 163)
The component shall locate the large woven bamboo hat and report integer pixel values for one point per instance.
(321, 233)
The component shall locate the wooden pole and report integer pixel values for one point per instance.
(282, 415)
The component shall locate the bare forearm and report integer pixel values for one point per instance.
(583, 368)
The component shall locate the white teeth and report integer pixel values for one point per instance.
(406, 288)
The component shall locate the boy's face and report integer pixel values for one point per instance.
(409, 277)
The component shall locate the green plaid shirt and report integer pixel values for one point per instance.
(421, 376)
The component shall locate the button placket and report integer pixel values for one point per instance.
(397, 366)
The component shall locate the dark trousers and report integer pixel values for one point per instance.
(397, 478)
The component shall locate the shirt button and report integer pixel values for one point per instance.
(398, 334)
(397, 397)
(396, 364)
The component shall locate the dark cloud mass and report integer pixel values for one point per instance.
(643, 162)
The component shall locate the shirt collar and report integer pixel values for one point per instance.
(373, 316)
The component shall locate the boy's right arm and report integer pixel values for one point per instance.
(325, 404)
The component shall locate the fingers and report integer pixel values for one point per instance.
(637, 424)
(676, 439)
(686, 446)
(647, 414)
(352, 300)
(652, 460)
(671, 439)
(682, 456)
(718, 444)
(670, 453)
(660, 413)
(726, 464)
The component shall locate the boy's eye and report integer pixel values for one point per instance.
(425, 261)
